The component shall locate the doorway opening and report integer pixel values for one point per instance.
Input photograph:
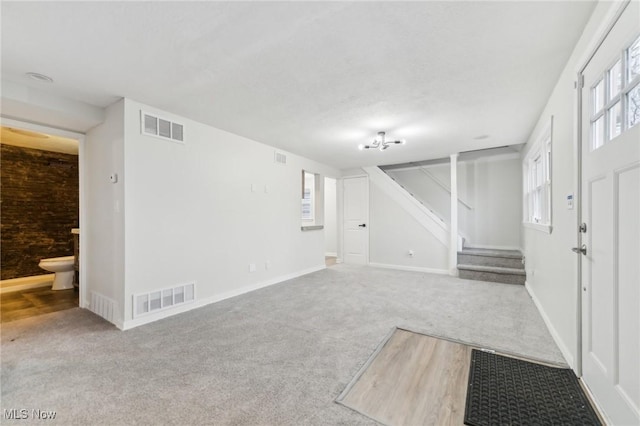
(41, 219)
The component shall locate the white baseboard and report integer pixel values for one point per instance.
(25, 283)
(409, 268)
(331, 254)
(489, 247)
(594, 402)
(552, 330)
(198, 303)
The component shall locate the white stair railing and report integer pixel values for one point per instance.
(443, 185)
(463, 239)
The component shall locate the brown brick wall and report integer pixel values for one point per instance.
(39, 196)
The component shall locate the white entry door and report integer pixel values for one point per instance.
(356, 220)
(611, 214)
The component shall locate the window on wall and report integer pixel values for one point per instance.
(537, 182)
(312, 201)
(615, 97)
(308, 197)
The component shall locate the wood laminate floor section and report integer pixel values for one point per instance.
(414, 380)
(29, 303)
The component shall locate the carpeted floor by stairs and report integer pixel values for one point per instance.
(279, 355)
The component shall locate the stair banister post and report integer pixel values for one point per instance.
(453, 242)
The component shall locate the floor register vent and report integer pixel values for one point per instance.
(159, 300)
(152, 125)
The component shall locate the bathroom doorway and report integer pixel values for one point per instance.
(41, 218)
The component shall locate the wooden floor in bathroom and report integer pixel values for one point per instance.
(37, 301)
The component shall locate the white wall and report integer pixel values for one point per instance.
(330, 218)
(393, 232)
(497, 208)
(551, 266)
(192, 215)
(102, 234)
(491, 186)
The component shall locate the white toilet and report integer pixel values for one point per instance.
(63, 268)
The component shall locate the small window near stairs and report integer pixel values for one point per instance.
(537, 183)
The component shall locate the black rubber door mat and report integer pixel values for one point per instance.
(510, 391)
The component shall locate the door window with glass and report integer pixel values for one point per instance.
(615, 97)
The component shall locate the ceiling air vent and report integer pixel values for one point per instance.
(279, 157)
(152, 125)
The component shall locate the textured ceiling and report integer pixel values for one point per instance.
(314, 78)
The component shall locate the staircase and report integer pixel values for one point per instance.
(418, 210)
(500, 266)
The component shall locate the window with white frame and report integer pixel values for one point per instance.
(312, 201)
(308, 196)
(537, 182)
(615, 97)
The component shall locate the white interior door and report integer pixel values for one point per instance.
(611, 213)
(356, 220)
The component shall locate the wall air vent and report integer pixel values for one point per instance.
(160, 300)
(152, 125)
(279, 158)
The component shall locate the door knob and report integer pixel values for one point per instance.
(582, 249)
(364, 225)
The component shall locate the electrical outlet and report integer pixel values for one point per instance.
(267, 265)
(411, 253)
(252, 267)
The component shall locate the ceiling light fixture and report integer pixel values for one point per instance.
(381, 143)
(39, 77)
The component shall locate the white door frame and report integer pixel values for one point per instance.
(342, 221)
(334, 214)
(82, 302)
